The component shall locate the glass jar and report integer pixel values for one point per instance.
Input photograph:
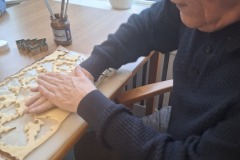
(61, 30)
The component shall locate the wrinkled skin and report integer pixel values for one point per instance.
(208, 15)
(62, 90)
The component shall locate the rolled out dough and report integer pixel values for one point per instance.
(22, 133)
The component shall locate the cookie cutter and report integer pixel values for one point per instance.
(32, 45)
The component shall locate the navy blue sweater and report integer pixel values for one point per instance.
(205, 118)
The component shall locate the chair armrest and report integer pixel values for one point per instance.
(144, 92)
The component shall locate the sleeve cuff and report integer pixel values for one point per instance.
(95, 65)
(91, 106)
(97, 110)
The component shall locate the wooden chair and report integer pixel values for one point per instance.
(147, 92)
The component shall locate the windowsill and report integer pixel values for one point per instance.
(137, 7)
(14, 1)
(11, 3)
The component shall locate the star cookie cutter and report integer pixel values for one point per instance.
(32, 45)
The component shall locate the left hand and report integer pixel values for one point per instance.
(63, 90)
(36, 103)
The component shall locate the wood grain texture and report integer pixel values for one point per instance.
(89, 27)
(144, 92)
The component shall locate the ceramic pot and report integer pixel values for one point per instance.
(121, 4)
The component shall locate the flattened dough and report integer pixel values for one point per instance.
(22, 133)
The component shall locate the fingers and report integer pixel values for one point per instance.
(52, 83)
(48, 86)
(78, 71)
(34, 89)
(45, 87)
(37, 102)
(47, 92)
(51, 78)
(62, 90)
(40, 108)
(30, 100)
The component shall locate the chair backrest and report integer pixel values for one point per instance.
(152, 69)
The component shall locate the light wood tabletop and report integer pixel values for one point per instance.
(31, 19)
(89, 27)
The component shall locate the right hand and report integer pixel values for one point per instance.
(37, 103)
(86, 73)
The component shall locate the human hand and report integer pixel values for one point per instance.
(86, 73)
(65, 91)
(37, 103)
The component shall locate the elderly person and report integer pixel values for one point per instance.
(204, 121)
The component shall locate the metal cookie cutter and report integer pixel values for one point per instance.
(34, 45)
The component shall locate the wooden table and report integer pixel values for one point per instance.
(31, 19)
(89, 26)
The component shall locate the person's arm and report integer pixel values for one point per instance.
(118, 130)
(156, 28)
(2, 7)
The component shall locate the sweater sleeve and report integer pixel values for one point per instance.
(117, 129)
(155, 28)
